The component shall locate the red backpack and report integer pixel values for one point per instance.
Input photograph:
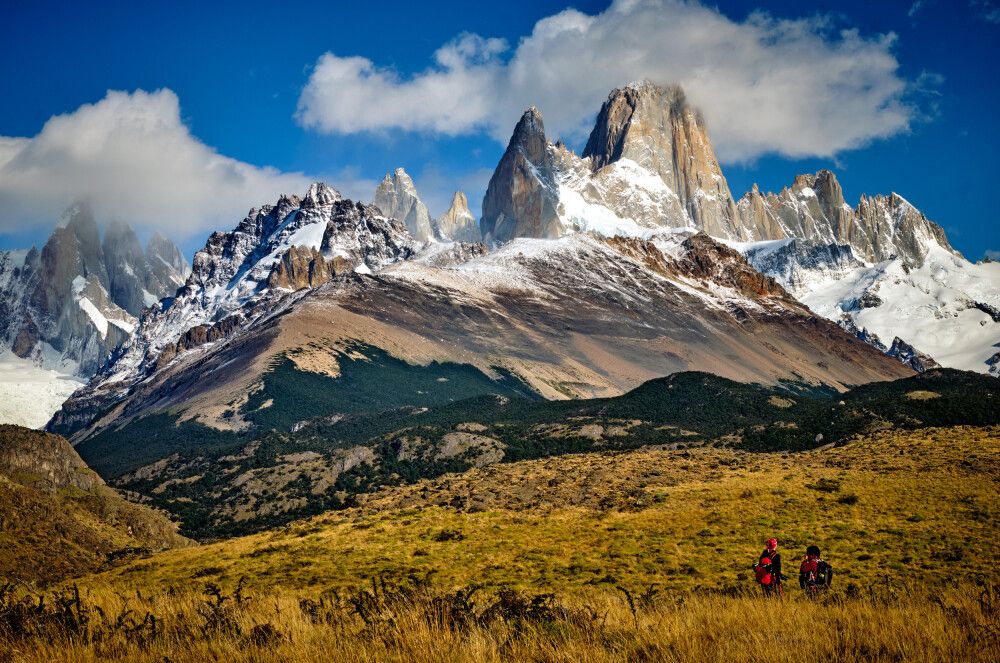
(762, 570)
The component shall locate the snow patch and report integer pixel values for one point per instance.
(96, 317)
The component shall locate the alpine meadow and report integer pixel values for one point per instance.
(641, 330)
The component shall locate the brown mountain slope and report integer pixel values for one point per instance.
(574, 317)
(58, 519)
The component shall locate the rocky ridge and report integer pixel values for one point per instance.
(71, 304)
(244, 276)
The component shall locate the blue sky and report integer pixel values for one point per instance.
(905, 100)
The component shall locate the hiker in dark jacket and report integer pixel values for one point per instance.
(768, 569)
(815, 574)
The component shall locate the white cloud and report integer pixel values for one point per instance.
(133, 158)
(795, 87)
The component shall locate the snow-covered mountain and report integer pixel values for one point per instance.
(70, 304)
(882, 270)
(65, 308)
(578, 316)
(649, 166)
(242, 277)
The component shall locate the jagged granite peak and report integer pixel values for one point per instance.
(319, 195)
(813, 209)
(655, 127)
(275, 255)
(648, 165)
(397, 197)
(70, 304)
(522, 197)
(457, 223)
(891, 226)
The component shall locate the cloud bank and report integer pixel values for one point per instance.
(765, 85)
(133, 158)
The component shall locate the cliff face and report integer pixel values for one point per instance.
(655, 127)
(397, 197)
(78, 298)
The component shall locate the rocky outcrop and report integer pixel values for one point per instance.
(813, 211)
(458, 224)
(910, 356)
(58, 517)
(657, 129)
(397, 197)
(522, 196)
(74, 301)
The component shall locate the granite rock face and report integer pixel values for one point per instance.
(657, 129)
(397, 197)
(70, 304)
(458, 224)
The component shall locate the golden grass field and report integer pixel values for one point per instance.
(647, 554)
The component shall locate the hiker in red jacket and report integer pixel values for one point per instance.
(767, 570)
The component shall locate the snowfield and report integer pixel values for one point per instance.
(932, 307)
(30, 394)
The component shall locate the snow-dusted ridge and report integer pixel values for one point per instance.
(240, 276)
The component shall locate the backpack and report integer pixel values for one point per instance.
(809, 572)
(816, 572)
(762, 571)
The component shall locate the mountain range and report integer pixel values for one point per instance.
(66, 307)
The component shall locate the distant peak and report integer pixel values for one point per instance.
(319, 195)
(530, 124)
(459, 200)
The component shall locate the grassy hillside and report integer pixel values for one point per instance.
(233, 484)
(58, 519)
(604, 556)
(919, 506)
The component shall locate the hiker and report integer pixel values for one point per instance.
(768, 569)
(815, 574)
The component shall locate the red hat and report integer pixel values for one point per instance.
(772, 544)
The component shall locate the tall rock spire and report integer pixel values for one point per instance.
(458, 223)
(522, 196)
(656, 128)
(397, 197)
